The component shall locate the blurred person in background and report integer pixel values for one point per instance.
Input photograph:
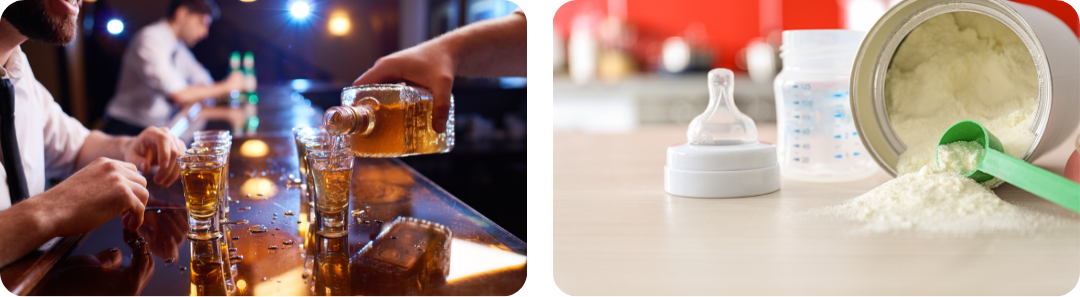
(159, 74)
(495, 47)
(39, 140)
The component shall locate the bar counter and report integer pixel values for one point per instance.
(263, 183)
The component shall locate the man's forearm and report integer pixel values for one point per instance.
(495, 47)
(198, 93)
(99, 144)
(23, 228)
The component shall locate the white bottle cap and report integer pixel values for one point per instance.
(715, 171)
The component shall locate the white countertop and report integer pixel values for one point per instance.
(616, 232)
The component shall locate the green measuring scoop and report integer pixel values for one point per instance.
(995, 163)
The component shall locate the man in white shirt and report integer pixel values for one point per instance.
(159, 73)
(106, 181)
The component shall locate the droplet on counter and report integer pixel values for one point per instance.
(248, 195)
(393, 237)
(257, 229)
(183, 268)
(288, 242)
(378, 222)
(260, 194)
(367, 222)
(276, 228)
(265, 278)
(169, 260)
(272, 234)
(289, 213)
(273, 247)
(236, 238)
(305, 275)
(244, 208)
(279, 281)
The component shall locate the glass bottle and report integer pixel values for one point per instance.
(389, 120)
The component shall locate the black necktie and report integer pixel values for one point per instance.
(9, 144)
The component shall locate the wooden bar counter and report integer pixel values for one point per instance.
(484, 258)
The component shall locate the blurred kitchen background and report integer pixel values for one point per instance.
(313, 55)
(621, 64)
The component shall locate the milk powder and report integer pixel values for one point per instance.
(935, 201)
(960, 66)
(959, 157)
(953, 67)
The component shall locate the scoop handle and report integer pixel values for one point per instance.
(1033, 179)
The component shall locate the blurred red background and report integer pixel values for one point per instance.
(731, 24)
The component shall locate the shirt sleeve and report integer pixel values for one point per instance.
(63, 136)
(154, 58)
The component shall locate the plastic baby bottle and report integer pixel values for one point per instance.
(722, 156)
(816, 136)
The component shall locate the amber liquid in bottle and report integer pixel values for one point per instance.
(384, 121)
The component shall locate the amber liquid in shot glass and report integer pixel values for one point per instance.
(201, 178)
(332, 175)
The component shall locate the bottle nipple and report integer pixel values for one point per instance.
(721, 123)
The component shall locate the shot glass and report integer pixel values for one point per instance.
(212, 135)
(227, 146)
(332, 173)
(201, 177)
(301, 153)
(222, 153)
(318, 140)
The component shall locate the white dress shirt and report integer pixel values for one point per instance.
(155, 65)
(49, 139)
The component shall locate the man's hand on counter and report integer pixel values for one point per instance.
(155, 146)
(93, 195)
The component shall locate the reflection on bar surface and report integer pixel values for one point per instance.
(332, 267)
(408, 257)
(207, 275)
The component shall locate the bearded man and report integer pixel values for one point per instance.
(39, 141)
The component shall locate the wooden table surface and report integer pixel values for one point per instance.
(616, 232)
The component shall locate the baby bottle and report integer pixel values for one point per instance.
(816, 136)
